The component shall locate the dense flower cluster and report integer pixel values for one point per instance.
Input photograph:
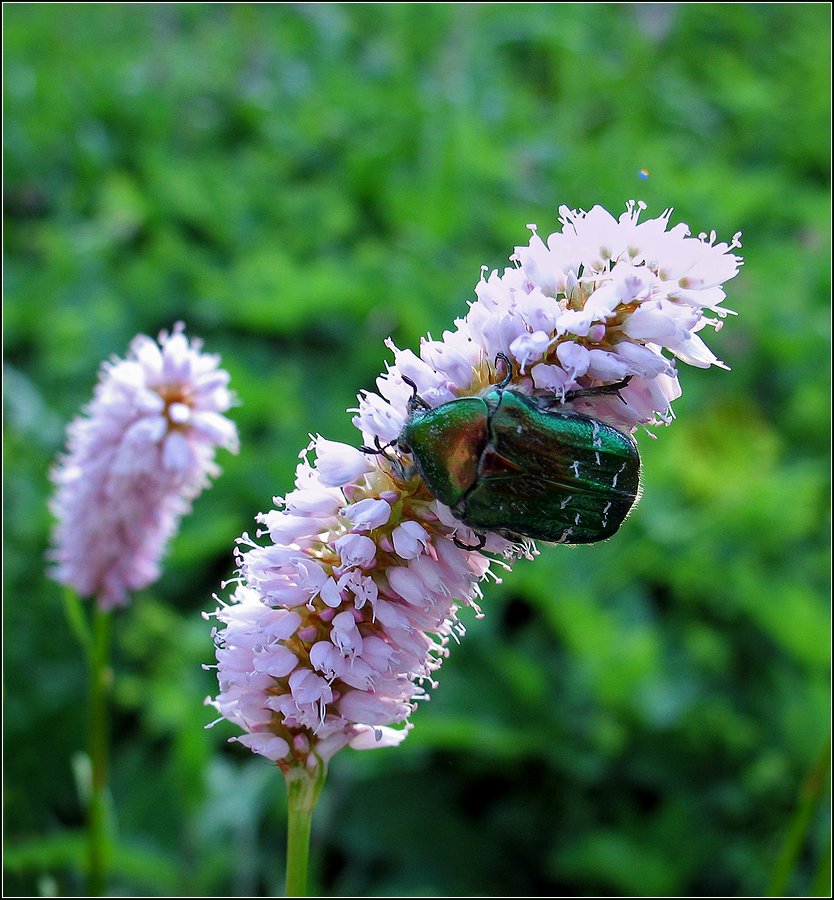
(340, 619)
(600, 300)
(142, 450)
(337, 620)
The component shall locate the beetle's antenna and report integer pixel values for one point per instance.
(509, 376)
(416, 400)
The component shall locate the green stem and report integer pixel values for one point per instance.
(303, 789)
(809, 796)
(97, 747)
(74, 611)
(822, 879)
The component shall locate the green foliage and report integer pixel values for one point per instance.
(298, 183)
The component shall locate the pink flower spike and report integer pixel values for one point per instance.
(136, 458)
(377, 569)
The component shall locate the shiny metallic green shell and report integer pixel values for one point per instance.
(504, 463)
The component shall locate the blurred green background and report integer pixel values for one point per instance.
(297, 183)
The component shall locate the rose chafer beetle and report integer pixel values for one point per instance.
(509, 463)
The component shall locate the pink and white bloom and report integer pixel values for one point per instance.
(600, 300)
(362, 562)
(339, 621)
(136, 457)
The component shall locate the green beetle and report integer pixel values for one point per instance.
(508, 463)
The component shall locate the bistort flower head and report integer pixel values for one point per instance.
(343, 616)
(142, 450)
(339, 620)
(598, 301)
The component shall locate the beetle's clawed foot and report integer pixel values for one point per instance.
(398, 468)
(380, 449)
(615, 388)
(509, 367)
(480, 546)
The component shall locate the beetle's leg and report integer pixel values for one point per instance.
(509, 376)
(381, 450)
(480, 546)
(595, 391)
(416, 400)
(364, 449)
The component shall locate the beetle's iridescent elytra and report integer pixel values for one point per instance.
(508, 463)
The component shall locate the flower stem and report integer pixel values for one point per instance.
(810, 794)
(303, 789)
(74, 611)
(97, 747)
